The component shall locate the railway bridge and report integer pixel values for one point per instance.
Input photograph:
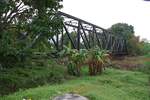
(79, 34)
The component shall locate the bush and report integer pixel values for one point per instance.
(145, 48)
(16, 78)
(134, 46)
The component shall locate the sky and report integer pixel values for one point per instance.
(105, 13)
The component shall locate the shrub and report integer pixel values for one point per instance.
(16, 78)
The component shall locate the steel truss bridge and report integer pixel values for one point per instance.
(82, 34)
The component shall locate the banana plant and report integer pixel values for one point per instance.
(78, 57)
(75, 59)
(97, 60)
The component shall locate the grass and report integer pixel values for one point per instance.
(113, 84)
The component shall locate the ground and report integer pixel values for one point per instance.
(130, 62)
(113, 84)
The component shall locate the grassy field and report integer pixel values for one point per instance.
(113, 84)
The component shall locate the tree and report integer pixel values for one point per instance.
(25, 23)
(122, 30)
(31, 16)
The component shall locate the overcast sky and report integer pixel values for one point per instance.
(104, 13)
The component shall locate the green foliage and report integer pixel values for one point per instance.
(72, 70)
(11, 52)
(134, 46)
(145, 47)
(97, 60)
(26, 24)
(41, 71)
(99, 55)
(122, 30)
(75, 59)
